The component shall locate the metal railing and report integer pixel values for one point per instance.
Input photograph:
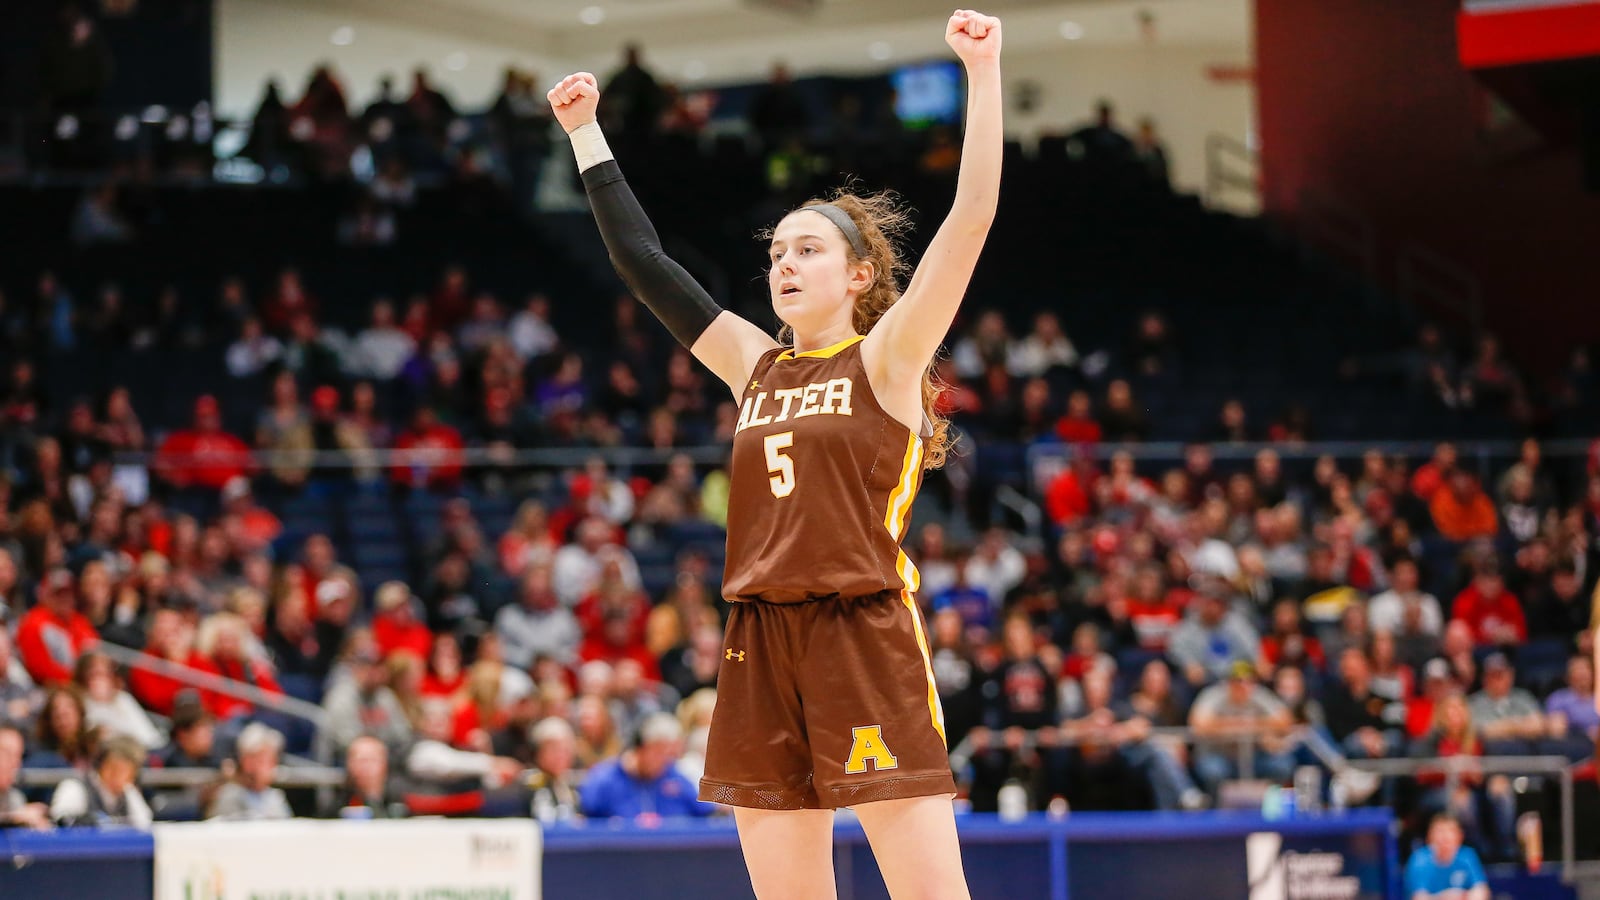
(238, 690)
(1455, 767)
(288, 776)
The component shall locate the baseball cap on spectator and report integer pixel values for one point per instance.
(1242, 669)
(237, 487)
(1496, 662)
(1436, 668)
(58, 580)
(332, 591)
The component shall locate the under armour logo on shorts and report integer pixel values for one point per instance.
(733, 655)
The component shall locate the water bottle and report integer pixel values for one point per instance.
(1338, 794)
(1013, 801)
(1308, 789)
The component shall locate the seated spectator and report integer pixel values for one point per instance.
(1392, 677)
(362, 703)
(1388, 611)
(63, 737)
(1576, 701)
(194, 740)
(1461, 510)
(1120, 418)
(1492, 612)
(395, 625)
(1442, 869)
(531, 333)
(433, 761)
(971, 603)
(430, 454)
(53, 634)
(1513, 723)
(251, 796)
(480, 711)
(253, 351)
(528, 541)
(20, 699)
(382, 348)
(643, 783)
(1205, 646)
(15, 810)
(108, 707)
(1454, 735)
(369, 792)
(1046, 348)
(537, 624)
(597, 730)
(107, 794)
(694, 665)
(552, 781)
(1559, 609)
(224, 644)
(1111, 742)
(204, 456)
(1358, 718)
(1240, 709)
(1431, 476)
(1437, 683)
(1287, 644)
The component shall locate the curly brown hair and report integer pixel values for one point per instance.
(883, 222)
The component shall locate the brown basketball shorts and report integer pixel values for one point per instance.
(826, 704)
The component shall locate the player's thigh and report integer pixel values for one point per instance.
(789, 852)
(915, 843)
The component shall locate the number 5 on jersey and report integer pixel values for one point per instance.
(780, 463)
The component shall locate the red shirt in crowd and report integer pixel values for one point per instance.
(215, 456)
(391, 635)
(1153, 623)
(1488, 615)
(431, 474)
(159, 693)
(1067, 498)
(1078, 430)
(50, 645)
(251, 673)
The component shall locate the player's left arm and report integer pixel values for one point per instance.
(903, 342)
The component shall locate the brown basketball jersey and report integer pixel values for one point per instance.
(822, 483)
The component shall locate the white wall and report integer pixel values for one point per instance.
(261, 38)
(1168, 84)
(257, 39)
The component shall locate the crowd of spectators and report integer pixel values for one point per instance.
(1387, 606)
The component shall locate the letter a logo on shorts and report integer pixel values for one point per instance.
(867, 745)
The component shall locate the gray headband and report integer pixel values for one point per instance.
(844, 223)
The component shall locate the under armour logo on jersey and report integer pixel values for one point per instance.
(733, 655)
(754, 385)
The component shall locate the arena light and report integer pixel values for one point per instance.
(1070, 30)
(694, 70)
(456, 61)
(591, 15)
(343, 36)
(880, 50)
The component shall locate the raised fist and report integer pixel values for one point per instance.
(574, 99)
(973, 35)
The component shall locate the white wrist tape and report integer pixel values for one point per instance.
(589, 146)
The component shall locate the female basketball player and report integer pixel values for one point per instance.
(826, 696)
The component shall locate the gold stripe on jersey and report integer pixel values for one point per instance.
(827, 352)
(895, 520)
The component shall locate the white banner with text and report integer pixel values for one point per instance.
(307, 859)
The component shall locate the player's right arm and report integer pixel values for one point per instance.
(728, 345)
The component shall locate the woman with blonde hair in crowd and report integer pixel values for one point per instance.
(528, 541)
(225, 643)
(479, 713)
(1454, 736)
(406, 671)
(597, 731)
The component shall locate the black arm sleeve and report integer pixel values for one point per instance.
(671, 294)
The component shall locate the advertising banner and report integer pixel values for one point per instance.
(307, 859)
